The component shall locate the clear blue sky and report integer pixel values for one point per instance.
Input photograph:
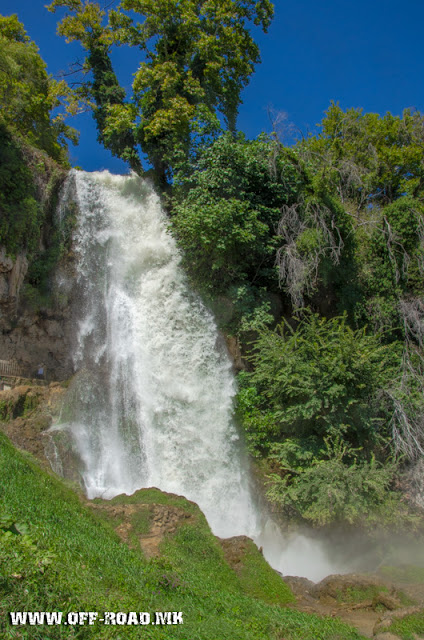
(366, 53)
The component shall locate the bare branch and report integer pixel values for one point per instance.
(298, 271)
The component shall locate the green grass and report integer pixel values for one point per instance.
(355, 595)
(58, 554)
(407, 627)
(154, 496)
(141, 520)
(256, 577)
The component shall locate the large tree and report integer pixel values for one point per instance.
(196, 57)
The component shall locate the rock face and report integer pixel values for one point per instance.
(160, 520)
(26, 413)
(35, 327)
(233, 347)
(12, 274)
(30, 339)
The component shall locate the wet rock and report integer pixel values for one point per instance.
(233, 347)
(36, 338)
(26, 413)
(389, 601)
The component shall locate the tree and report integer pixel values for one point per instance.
(28, 95)
(198, 56)
(30, 136)
(227, 210)
(367, 158)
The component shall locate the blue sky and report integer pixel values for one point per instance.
(363, 54)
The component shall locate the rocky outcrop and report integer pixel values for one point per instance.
(145, 524)
(234, 350)
(26, 413)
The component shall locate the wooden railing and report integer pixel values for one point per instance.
(8, 368)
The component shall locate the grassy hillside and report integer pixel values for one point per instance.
(58, 554)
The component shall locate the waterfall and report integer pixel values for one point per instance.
(155, 387)
(152, 401)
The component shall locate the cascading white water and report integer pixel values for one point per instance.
(155, 384)
(152, 402)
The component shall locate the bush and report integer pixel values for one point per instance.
(333, 485)
(318, 379)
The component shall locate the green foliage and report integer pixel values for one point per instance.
(367, 158)
(20, 556)
(28, 95)
(113, 119)
(323, 378)
(323, 400)
(198, 58)
(335, 486)
(259, 424)
(21, 213)
(227, 210)
(391, 266)
(32, 142)
(374, 165)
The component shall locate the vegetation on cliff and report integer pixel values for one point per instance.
(318, 251)
(33, 155)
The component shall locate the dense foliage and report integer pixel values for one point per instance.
(335, 224)
(20, 211)
(33, 140)
(241, 216)
(321, 379)
(28, 95)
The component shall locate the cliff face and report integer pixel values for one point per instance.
(30, 338)
(31, 332)
(12, 274)
(35, 270)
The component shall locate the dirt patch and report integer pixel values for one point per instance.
(366, 602)
(133, 519)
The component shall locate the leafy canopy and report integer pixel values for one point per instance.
(196, 59)
(28, 95)
(227, 210)
(336, 486)
(369, 158)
